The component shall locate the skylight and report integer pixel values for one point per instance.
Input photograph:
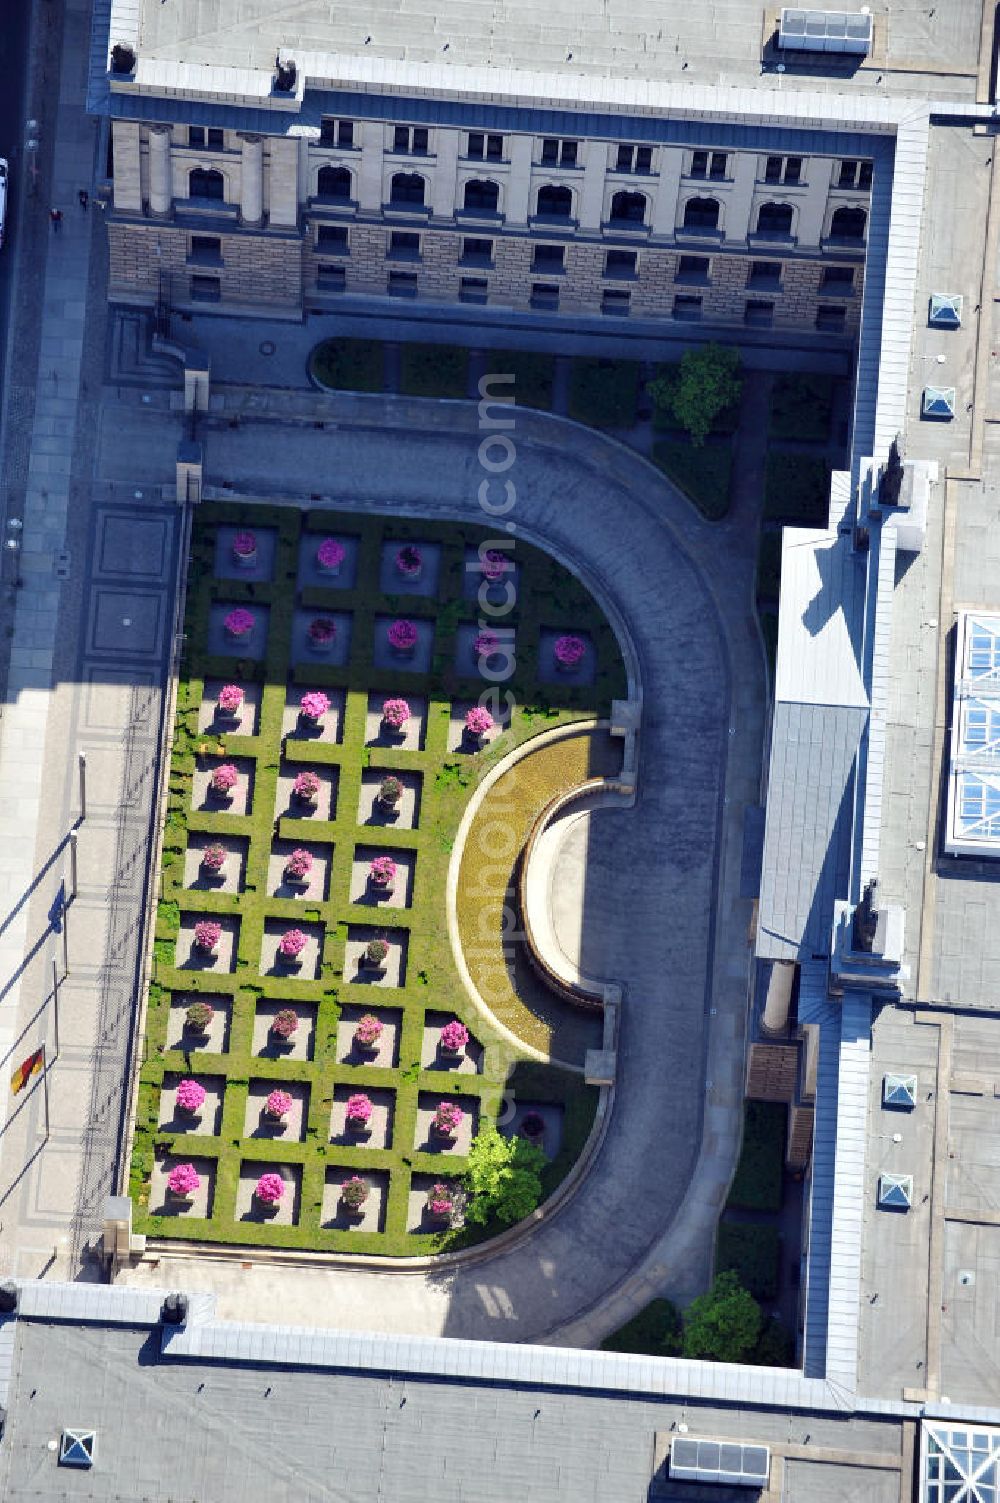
(973, 825)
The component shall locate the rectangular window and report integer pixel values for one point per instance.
(764, 274)
(718, 167)
(759, 312)
(410, 139)
(401, 138)
(616, 301)
(699, 164)
(712, 164)
(206, 250)
(345, 133)
(831, 318)
(206, 289)
(693, 269)
(793, 169)
(402, 284)
(687, 307)
(621, 263)
(549, 259)
(476, 252)
(485, 147)
(196, 135)
(419, 143)
(637, 159)
(854, 174)
(332, 238)
(772, 170)
(473, 290)
(327, 131)
(331, 278)
(404, 245)
(838, 280)
(783, 170)
(216, 138)
(544, 295)
(557, 153)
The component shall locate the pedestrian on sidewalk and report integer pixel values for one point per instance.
(56, 217)
(84, 198)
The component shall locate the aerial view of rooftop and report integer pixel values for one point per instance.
(500, 752)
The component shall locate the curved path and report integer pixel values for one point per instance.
(685, 589)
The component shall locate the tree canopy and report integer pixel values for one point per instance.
(705, 383)
(503, 1177)
(723, 1324)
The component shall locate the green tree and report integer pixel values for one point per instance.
(722, 1325)
(502, 1178)
(705, 384)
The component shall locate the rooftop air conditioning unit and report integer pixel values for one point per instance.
(846, 32)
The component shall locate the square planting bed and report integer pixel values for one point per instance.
(288, 806)
(494, 667)
(296, 728)
(468, 1060)
(367, 1218)
(226, 565)
(496, 595)
(416, 660)
(458, 738)
(299, 1045)
(162, 1203)
(188, 958)
(240, 798)
(230, 878)
(393, 969)
(245, 721)
(306, 968)
(406, 813)
(418, 1217)
(333, 654)
(364, 890)
(410, 737)
(311, 576)
(292, 1129)
(215, 1039)
(251, 648)
(551, 1117)
(427, 1141)
(313, 887)
(384, 1053)
(286, 1213)
(207, 1119)
(393, 581)
(378, 1133)
(549, 671)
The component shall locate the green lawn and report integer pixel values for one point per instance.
(757, 1184)
(797, 489)
(753, 1252)
(604, 393)
(702, 474)
(802, 406)
(534, 375)
(548, 596)
(349, 364)
(434, 370)
(654, 1332)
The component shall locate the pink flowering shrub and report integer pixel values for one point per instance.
(439, 1201)
(368, 1031)
(224, 778)
(314, 703)
(330, 554)
(292, 943)
(409, 560)
(569, 650)
(198, 1016)
(382, 870)
(448, 1119)
(190, 1095)
(183, 1179)
(299, 864)
(354, 1192)
(213, 857)
(395, 713)
(278, 1104)
(239, 623)
(376, 951)
(402, 635)
(390, 791)
(285, 1023)
(245, 544)
(478, 721)
(270, 1188)
(486, 644)
(454, 1036)
(359, 1107)
(322, 630)
(495, 564)
(230, 698)
(306, 786)
(207, 934)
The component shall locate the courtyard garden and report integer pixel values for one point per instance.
(314, 1073)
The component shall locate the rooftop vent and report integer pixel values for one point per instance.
(895, 1191)
(840, 31)
(719, 1461)
(77, 1447)
(938, 402)
(945, 311)
(899, 1090)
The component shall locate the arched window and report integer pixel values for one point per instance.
(701, 214)
(774, 219)
(628, 208)
(407, 188)
(334, 182)
(484, 196)
(554, 203)
(206, 182)
(848, 224)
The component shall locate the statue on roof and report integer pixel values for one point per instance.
(865, 923)
(892, 474)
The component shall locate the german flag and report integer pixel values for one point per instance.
(26, 1069)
